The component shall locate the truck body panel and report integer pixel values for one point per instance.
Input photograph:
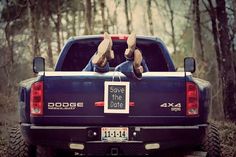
(72, 98)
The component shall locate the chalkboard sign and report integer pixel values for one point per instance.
(116, 97)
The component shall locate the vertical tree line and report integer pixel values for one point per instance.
(223, 46)
(150, 19)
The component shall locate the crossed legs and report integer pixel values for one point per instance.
(134, 64)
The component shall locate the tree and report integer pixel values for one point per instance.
(224, 53)
(172, 26)
(128, 20)
(88, 17)
(198, 50)
(57, 23)
(167, 10)
(113, 17)
(229, 77)
(197, 31)
(35, 26)
(104, 21)
(48, 31)
(149, 12)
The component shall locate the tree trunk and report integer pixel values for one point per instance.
(213, 17)
(234, 33)
(172, 26)
(79, 21)
(67, 25)
(130, 15)
(229, 79)
(48, 32)
(117, 3)
(94, 8)
(104, 21)
(234, 6)
(127, 17)
(197, 31)
(58, 25)
(10, 53)
(111, 20)
(218, 107)
(35, 28)
(149, 12)
(115, 22)
(88, 17)
(9, 39)
(30, 22)
(74, 23)
(197, 41)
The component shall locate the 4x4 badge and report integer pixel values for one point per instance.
(172, 106)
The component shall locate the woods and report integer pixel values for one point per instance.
(203, 29)
(32, 28)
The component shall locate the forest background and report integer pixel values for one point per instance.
(204, 29)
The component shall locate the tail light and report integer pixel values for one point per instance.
(192, 99)
(36, 99)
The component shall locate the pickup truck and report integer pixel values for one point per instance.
(68, 110)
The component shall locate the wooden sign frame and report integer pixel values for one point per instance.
(106, 97)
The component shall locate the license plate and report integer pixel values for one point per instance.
(114, 134)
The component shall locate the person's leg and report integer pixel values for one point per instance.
(133, 68)
(127, 69)
(135, 65)
(132, 53)
(145, 67)
(138, 68)
(92, 67)
(89, 66)
(99, 61)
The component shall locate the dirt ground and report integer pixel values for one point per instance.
(227, 134)
(7, 120)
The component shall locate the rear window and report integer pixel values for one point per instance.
(81, 51)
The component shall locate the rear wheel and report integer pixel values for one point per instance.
(211, 141)
(17, 147)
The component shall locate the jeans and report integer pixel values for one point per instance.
(126, 68)
(92, 67)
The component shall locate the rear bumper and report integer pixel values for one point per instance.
(168, 137)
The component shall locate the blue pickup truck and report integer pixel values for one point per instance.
(65, 110)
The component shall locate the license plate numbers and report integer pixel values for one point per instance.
(116, 134)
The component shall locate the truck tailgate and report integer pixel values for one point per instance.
(70, 98)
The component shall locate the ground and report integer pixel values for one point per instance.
(7, 120)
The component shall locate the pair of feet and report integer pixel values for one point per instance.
(105, 53)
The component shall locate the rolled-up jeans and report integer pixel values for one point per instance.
(127, 68)
(92, 67)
